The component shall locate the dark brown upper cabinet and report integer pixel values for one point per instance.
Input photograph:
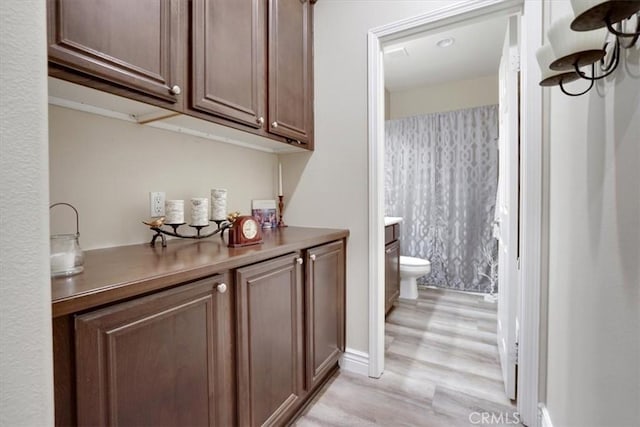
(291, 70)
(228, 51)
(246, 64)
(132, 44)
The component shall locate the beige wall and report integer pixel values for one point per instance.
(593, 376)
(106, 168)
(332, 188)
(448, 96)
(26, 352)
(387, 104)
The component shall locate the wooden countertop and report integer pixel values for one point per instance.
(122, 272)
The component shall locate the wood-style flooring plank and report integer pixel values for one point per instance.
(441, 366)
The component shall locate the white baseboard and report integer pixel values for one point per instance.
(355, 361)
(545, 418)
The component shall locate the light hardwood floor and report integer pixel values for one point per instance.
(441, 369)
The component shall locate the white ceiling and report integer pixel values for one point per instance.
(475, 53)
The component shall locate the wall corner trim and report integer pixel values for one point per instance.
(544, 419)
(355, 361)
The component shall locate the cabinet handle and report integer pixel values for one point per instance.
(274, 124)
(312, 257)
(222, 288)
(260, 120)
(175, 90)
(299, 260)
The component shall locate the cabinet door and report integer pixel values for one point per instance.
(164, 359)
(291, 69)
(392, 274)
(228, 50)
(270, 348)
(131, 43)
(324, 310)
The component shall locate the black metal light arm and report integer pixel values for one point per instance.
(586, 90)
(607, 68)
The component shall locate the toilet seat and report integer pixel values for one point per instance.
(411, 264)
(412, 261)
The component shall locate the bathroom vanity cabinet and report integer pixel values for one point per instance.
(199, 334)
(392, 266)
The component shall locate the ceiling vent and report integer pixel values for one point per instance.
(396, 52)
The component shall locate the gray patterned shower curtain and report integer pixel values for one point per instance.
(441, 176)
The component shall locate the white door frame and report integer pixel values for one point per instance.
(531, 180)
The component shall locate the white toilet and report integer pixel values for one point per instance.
(410, 269)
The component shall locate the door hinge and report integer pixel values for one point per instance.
(514, 61)
(514, 354)
(518, 263)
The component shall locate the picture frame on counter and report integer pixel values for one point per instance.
(265, 212)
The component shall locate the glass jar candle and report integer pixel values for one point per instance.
(65, 256)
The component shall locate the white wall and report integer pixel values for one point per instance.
(448, 96)
(332, 188)
(106, 168)
(26, 371)
(593, 376)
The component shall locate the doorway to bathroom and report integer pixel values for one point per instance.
(432, 105)
(448, 142)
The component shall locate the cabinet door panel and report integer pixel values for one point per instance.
(131, 43)
(324, 310)
(392, 274)
(228, 48)
(164, 359)
(290, 69)
(270, 353)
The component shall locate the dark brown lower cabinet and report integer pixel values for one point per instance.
(392, 274)
(270, 347)
(249, 347)
(161, 360)
(324, 310)
(281, 359)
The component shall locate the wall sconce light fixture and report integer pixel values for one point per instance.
(582, 41)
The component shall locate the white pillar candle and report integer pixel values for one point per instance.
(564, 41)
(545, 57)
(199, 211)
(581, 6)
(63, 261)
(280, 179)
(174, 211)
(218, 204)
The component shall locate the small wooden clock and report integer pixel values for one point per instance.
(245, 231)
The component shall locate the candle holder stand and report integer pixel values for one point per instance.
(221, 225)
(281, 223)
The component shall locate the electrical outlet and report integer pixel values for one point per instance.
(156, 203)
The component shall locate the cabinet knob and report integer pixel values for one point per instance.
(222, 288)
(299, 261)
(312, 257)
(175, 90)
(260, 120)
(274, 124)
